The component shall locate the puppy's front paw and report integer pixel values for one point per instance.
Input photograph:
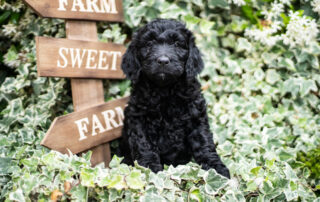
(156, 167)
(223, 170)
(220, 168)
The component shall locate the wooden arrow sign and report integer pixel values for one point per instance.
(82, 130)
(78, 59)
(101, 10)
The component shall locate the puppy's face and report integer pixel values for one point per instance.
(163, 55)
(163, 51)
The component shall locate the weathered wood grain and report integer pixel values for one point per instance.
(78, 59)
(100, 10)
(82, 96)
(85, 129)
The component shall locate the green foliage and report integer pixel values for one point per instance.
(263, 105)
(311, 161)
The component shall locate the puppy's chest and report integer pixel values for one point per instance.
(171, 122)
(173, 112)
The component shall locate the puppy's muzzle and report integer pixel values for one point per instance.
(163, 60)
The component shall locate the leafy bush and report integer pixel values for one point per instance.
(261, 83)
(311, 161)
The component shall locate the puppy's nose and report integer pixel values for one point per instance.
(163, 60)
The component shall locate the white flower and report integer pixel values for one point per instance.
(266, 35)
(277, 8)
(287, 2)
(300, 30)
(237, 2)
(275, 26)
(9, 29)
(275, 11)
(316, 5)
(16, 7)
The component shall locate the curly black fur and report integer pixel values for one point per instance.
(166, 120)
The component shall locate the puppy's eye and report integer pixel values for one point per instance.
(150, 43)
(145, 51)
(179, 44)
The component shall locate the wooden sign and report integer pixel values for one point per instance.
(82, 130)
(89, 60)
(78, 59)
(101, 10)
(82, 94)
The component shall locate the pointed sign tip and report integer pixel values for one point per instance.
(85, 129)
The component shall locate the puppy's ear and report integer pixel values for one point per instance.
(194, 63)
(130, 63)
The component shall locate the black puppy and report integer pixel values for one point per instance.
(166, 120)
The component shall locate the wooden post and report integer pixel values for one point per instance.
(87, 93)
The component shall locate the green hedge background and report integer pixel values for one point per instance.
(261, 82)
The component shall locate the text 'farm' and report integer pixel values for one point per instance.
(89, 6)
